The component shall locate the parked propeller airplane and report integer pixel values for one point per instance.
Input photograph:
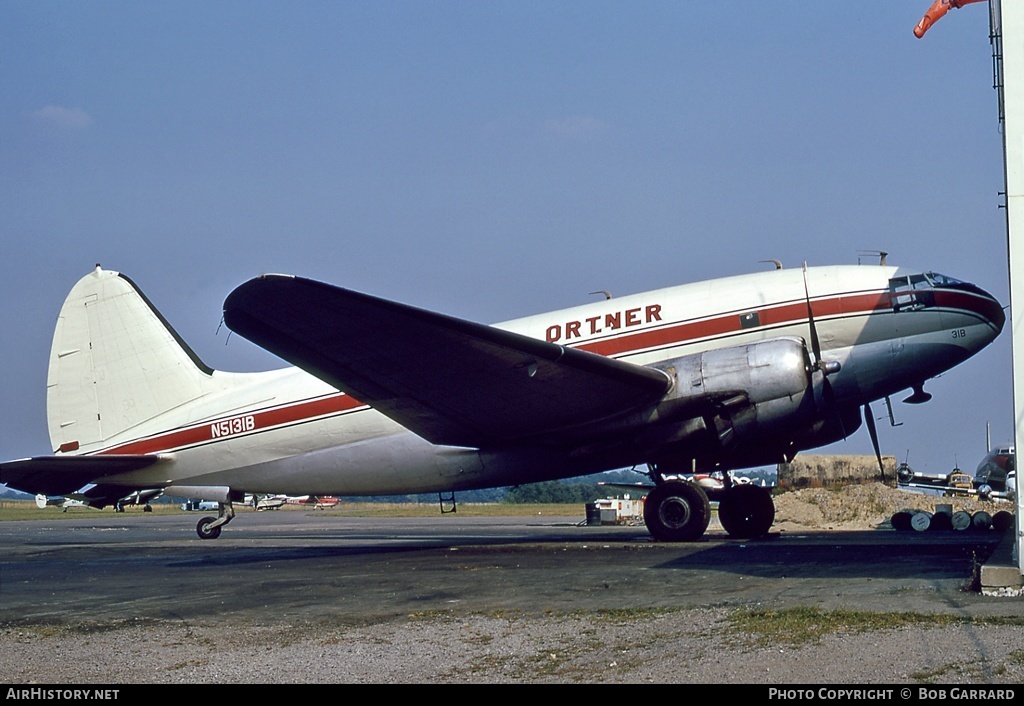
(995, 478)
(85, 499)
(386, 398)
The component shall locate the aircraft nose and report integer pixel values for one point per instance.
(977, 304)
(993, 311)
(988, 308)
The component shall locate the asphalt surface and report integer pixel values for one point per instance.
(292, 568)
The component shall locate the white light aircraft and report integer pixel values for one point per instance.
(101, 498)
(387, 399)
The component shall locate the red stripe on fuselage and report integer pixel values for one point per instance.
(668, 335)
(721, 325)
(300, 412)
(984, 307)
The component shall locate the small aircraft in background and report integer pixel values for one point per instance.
(317, 502)
(102, 499)
(266, 502)
(43, 501)
(714, 484)
(997, 470)
(386, 398)
(994, 479)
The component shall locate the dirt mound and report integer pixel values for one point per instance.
(862, 506)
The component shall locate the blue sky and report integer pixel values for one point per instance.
(492, 160)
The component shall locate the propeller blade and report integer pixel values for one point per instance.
(832, 366)
(869, 419)
(815, 343)
(829, 397)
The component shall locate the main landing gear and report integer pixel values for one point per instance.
(746, 511)
(209, 527)
(679, 511)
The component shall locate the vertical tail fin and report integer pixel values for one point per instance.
(115, 364)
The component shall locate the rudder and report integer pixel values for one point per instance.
(115, 365)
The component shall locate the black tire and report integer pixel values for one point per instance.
(746, 511)
(204, 530)
(676, 511)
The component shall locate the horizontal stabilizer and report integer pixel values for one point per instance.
(449, 380)
(63, 475)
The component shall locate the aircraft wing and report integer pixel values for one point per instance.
(451, 381)
(63, 475)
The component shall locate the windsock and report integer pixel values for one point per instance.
(936, 12)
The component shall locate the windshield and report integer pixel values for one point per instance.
(917, 291)
(942, 280)
(911, 292)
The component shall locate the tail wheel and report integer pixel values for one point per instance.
(205, 531)
(746, 511)
(676, 511)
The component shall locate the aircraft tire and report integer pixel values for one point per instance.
(204, 530)
(746, 511)
(677, 511)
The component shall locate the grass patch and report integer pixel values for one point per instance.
(11, 510)
(941, 673)
(618, 616)
(362, 509)
(804, 625)
(51, 630)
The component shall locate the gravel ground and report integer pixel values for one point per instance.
(681, 646)
(691, 646)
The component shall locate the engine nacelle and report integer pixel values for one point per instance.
(762, 371)
(757, 393)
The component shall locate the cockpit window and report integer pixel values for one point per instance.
(945, 282)
(942, 280)
(917, 291)
(912, 292)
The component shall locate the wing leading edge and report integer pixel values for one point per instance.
(451, 381)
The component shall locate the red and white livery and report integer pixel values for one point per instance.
(386, 398)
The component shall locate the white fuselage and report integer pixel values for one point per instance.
(288, 432)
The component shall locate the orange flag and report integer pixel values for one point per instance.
(936, 12)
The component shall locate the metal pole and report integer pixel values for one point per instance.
(1011, 24)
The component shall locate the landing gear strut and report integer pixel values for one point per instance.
(209, 527)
